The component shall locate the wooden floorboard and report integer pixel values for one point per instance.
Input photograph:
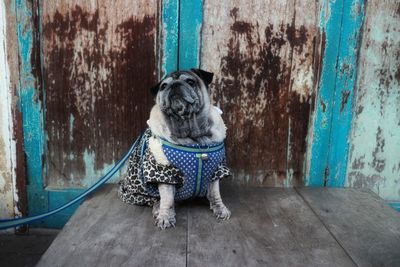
(106, 232)
(366, 227)
(268, 227)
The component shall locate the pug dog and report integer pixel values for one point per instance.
(181, 155)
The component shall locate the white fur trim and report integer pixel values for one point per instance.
(157, 151)
(218, 129)
(159, 127)
(218, 109)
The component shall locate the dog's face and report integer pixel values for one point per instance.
(183, 99)
(182, 94)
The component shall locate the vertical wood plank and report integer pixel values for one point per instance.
(374, 160)
(99, 63)
(331, 17)
(266, 57)
(304, 77)
(332, 121)
(170, 35)
(7, 146)
(31, 105)
(190, 22)
(346, 71)
(21, 198)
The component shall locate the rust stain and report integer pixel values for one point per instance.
(322, 104)
(267, 120)
(21, 178)
(36, 50)
(97, 97)
(345, 68)
(345, 98)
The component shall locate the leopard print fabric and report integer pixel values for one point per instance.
(144, 173)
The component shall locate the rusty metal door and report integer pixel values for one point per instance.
(99, 59)
(87, 68)
(267, 60)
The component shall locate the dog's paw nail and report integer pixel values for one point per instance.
(222, 213)
(164, 221)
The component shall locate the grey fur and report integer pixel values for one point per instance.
(185, 104)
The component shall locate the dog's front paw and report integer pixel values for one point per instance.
(165, 220)
(221, 211)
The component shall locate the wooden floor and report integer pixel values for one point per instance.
(268, 227)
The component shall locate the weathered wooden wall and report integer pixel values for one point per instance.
(266, 56)
(99, 59)
(374, 160)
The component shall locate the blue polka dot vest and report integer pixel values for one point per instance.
(197, 163)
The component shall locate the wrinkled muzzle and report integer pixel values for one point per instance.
(181, 101)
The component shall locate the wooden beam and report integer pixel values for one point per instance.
(341, 23)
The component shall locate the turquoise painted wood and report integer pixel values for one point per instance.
(346, 70)
(323, 111)
(40, 199)
(374, 161)
(170, 18)
(332, 121)
(395, 205)
(31, 109)
(32, 112)
(190, 21)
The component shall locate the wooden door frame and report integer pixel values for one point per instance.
(329, 134)
(28, 27)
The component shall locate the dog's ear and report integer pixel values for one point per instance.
(206, 76)
(154, 89)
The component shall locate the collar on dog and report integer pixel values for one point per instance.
(195, 148)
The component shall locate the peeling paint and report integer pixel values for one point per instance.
(265, 57)
(341, 21)
(345, 98)
(375, 139)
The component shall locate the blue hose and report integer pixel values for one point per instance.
(9, 223)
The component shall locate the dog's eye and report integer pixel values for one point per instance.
(163, 86)
(190, 82)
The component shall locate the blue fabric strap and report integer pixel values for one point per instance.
(19, 221)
